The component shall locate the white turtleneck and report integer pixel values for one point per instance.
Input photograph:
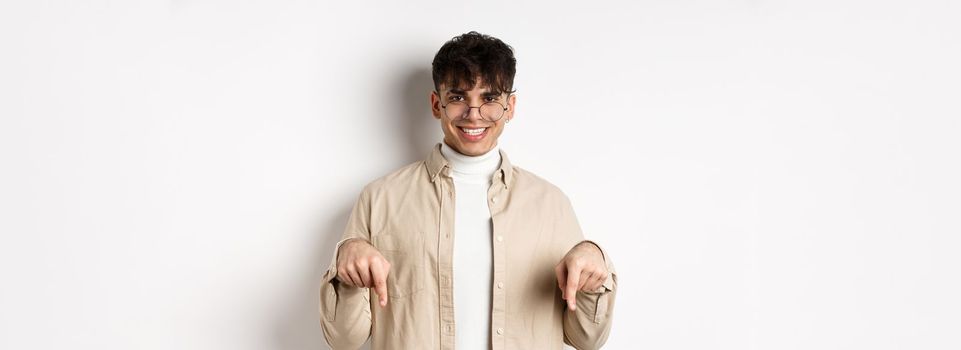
(473, 260)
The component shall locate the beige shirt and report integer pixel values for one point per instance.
(408, 216)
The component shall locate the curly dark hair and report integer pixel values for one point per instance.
(470, 55)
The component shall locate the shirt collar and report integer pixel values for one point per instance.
(437, 164)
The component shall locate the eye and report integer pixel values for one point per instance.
(455, 98)
(492, 98)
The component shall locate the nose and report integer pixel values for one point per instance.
(471, 112)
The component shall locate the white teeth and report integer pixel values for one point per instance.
(474, 132)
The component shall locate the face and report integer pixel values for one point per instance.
(454, 134)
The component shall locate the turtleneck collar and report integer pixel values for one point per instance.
(474, 169)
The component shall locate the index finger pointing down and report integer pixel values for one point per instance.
(379, 271)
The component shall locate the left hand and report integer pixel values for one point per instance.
(583, 268)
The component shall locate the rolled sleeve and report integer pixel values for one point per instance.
(589, 325)
(345, 310)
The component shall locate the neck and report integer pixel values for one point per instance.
(475, 167)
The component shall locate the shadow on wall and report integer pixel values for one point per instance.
(298, 327)
(422, 128)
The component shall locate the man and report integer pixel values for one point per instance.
(465, 249)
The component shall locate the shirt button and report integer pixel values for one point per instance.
(500, 331)
(500, 285)
(500, 238)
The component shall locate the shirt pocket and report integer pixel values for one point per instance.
(405, 252)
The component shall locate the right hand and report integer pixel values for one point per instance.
(359, 264)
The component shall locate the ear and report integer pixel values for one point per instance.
(435, 105)
(511, 101)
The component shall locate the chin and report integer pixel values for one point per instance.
(481, 149)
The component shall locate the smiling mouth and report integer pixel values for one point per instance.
(472, 131)
(473, 134)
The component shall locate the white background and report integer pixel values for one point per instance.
(765, 174)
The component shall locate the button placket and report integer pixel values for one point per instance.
(445, 262)
(499, 306)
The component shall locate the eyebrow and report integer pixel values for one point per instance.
(486, 94)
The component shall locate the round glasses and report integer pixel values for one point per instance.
(490, 111)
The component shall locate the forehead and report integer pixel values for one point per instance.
(480, 87)
(477, 90)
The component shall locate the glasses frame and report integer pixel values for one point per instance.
(469, 107)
